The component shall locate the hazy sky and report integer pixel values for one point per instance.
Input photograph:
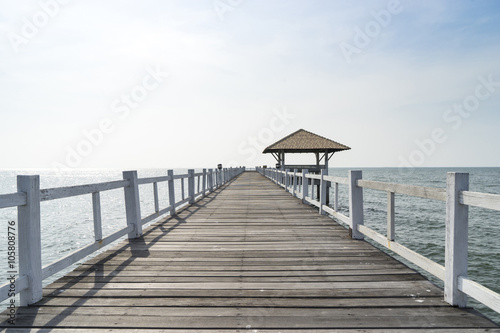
(192, 83)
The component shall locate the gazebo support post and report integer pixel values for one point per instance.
(327, 184)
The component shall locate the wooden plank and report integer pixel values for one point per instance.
(12, 199)
(70, 191)
(201, 330)
(484, 200)
(337, 215)
(261, 317)
(412, 256)
(372, 302)
(416, 289)
(412, 190)
(150, 180)
(339, 180)
(71, 258)
(20, 284)
(484, 295)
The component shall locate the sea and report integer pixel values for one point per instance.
(420, 223)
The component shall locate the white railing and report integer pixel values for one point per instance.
(457, 196)
(27, 199)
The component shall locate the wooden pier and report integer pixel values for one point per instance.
(248, 257)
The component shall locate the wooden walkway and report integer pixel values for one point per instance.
(247, 258)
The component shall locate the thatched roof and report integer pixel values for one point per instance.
(303, 141)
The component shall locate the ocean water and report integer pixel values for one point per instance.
(420, 223)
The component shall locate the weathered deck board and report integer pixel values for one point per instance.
(236, 261)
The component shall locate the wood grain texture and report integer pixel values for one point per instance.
(249, 257)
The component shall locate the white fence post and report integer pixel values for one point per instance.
(171, 192)
(132, 204)
(155, 197)
(391, 216)
(286, 179)
(210, 180)
(204, 181)
(457, 227)
(322, 192)
(183, 194)
(295, 182)
(355, 203)
(305, 185)
(96, 210)
(191, 185)
(336, 197)
(30, 249)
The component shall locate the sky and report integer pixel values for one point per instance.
(192, 83)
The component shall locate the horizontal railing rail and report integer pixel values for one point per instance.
(28, 197)
(456, 195)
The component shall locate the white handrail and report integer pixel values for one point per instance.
(28, 198)
(12, 200)
(457, 197)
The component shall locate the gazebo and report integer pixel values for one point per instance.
(303, 141)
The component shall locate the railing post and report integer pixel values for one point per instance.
(355, 204)
(30, 248)
(132, 204)
(391, 216)
(286, 179)
(171, 192)
(305, 185)
(322, 192)
(155, 196)
(295, 182)
(457, 227)
(96, 210)
(210, 180)
(336, 199)
(197, 182)
(191, 185)
(204, 181)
